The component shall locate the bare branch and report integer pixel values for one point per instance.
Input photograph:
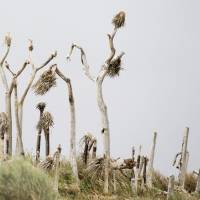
(83, 61)
(8, 68)
(47, 62)
(22, 68)
(175, 159)
(5, 56)
(67, 80)
(112, 48)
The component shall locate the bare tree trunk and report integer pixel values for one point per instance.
(170, 193)
(151, 161)
(94, 150)
(20, 150)
(72, 132)
(9, 114)
(73, 160)
(56, 175)
(47, 143)
(183, 168)
(6, 145)
(38, 144)
(105, 127)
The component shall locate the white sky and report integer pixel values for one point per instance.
(159, 88)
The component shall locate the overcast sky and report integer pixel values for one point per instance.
(159, 88)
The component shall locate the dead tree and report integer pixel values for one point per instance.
(151, 161)
(183, 161)
(111, 67)
(89, 143)
(56, 174)
(48, 80)
(9, 90)
(7, 93)
(40, 106)
(45, 124)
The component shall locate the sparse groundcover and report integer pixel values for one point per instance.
(19, 180)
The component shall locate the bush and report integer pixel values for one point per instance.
(190, 182)
(20, 180)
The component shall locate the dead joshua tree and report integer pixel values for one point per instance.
(112, 68)
(45, 123)
(40, 106)
(9, 89)
(89, 142)
(48, 80)
(183, 161)
(3, 132)
(151, 161)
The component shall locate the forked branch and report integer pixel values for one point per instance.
(84, 62)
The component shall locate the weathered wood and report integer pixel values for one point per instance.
(57, 162)
(73, 160)
(183, 167)
(197, 190)
(151, 161)
(170, 193)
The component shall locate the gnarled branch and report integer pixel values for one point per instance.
(83, 61)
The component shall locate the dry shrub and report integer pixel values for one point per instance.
(19, 180)
(190, 182)
(160, 181)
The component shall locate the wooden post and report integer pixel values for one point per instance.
(170, 192)
(151, 169)
(57, 161)
(197, 190)
(183, 167)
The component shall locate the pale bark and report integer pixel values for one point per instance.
(101, 104)
(197, 190)
(105, 127)
(151, 161)
(73, 160)
(170, 193)
(18, 128)
(7, 99)
(183, 168)
(56, 175)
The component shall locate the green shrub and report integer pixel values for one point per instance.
(19, 180)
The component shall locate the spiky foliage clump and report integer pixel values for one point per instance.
(47, 164)
(114, 67)
(21, 181)
(46, 121)
(41, 106)
(119, 19)
(46, 81)
(3, 124)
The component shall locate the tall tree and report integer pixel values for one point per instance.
(111, 67)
